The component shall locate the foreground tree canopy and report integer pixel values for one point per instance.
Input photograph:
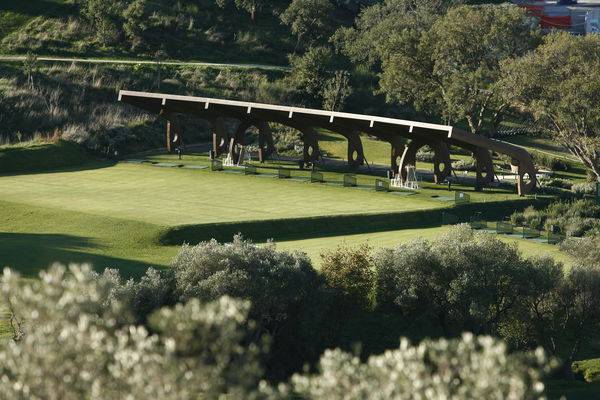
(78, 340)
(559, 83)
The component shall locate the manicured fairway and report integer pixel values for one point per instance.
(173, 196)
(114, 215)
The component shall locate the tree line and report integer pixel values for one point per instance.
(243, 320)
(469, 65)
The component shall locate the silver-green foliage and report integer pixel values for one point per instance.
(463, 280)
(274, 281)
(467, 368)
(77, 342)
(289, 302)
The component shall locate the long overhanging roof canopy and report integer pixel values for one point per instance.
(390, 129)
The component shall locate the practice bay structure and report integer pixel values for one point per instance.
(405, 137)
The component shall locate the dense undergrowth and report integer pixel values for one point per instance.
(573, 218)
(188, 31)
(78, 103)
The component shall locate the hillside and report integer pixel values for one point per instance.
(189, 31)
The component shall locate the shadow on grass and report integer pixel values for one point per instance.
(338, 225)
(29, 253)
(83, 167)
(60, 156)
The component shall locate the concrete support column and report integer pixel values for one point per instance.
(485, 167)
(526, 175)
(356, 155)
(173, 139)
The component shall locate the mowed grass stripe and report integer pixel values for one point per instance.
(315, 246)
(175, 196)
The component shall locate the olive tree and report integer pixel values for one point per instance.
(104, 16)
(75, 339)
(288, 299)
(562, 307)
(463, 280)
(349, 272)
(467, 368)
(309, 19)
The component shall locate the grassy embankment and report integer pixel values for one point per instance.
(56, 28)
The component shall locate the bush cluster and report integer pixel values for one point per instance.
(584, 188)
(226, 316)
(550, 162)
(288, 141)
(465, 165)
(560, 183)
(425, 156)
(574, 218)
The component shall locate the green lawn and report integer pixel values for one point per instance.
(123, 215)
(315, 246)
(172, 196)
(32, 238)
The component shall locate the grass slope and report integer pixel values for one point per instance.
(15, 14)
(32, 238)
(36, 156)
(57, 28)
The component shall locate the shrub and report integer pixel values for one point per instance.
(152, 292)
(288, 298)
(529, 217)
(348, 271)
(462, 281)
(574, 218)
(533, 218)
(425, 156)
(550, 162)
(584, 188)
(465, 165)
(287, 140)
(560, 183)
(466, 368)
(78, 343)
(517, 219)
